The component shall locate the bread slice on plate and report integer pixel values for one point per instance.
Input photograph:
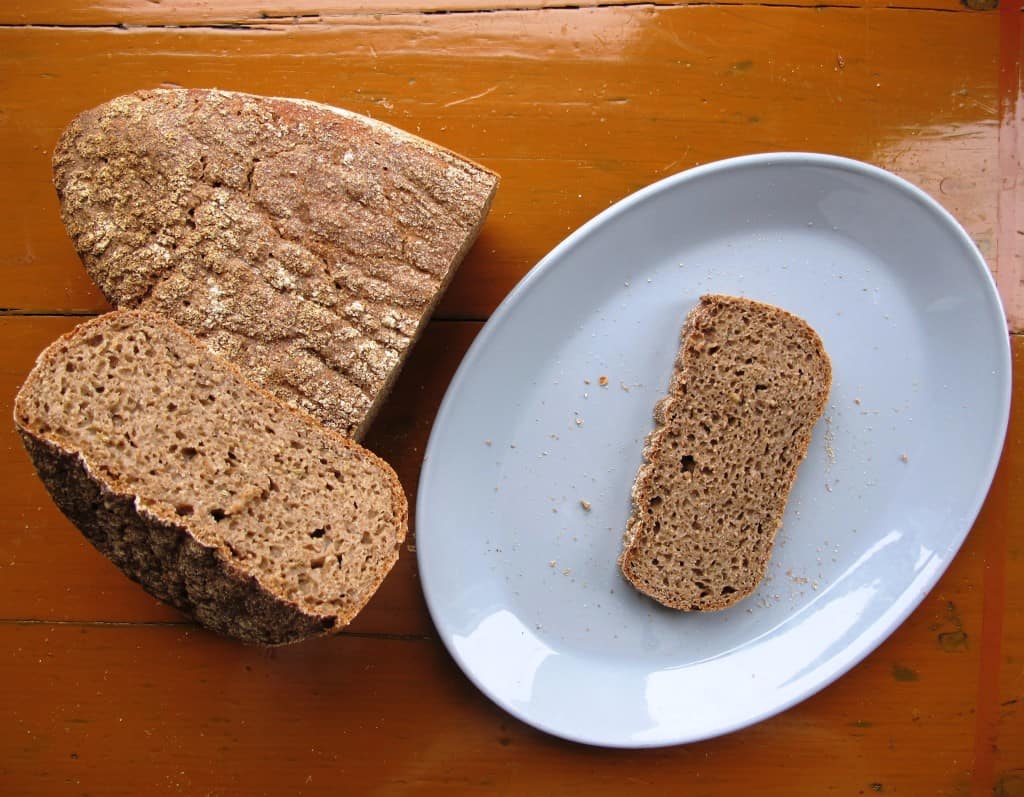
(750, 382)
(307, 244)
(213, 495)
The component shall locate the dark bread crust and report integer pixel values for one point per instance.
(164, 558)
(307, 244)
(719, 466)
(161, 550)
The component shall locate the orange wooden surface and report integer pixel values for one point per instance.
(103, 690)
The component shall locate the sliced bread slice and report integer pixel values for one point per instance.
(750, 383)
(209, 492)
(307, 244)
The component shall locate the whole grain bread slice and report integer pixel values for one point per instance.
(307, 244)
(750, 383)
(213, 495)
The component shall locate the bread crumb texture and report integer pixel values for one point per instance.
(306, 244)
(212, 494)
(750, 382)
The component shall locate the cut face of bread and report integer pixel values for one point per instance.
(212, 494)
(750, 383)
(306, 244)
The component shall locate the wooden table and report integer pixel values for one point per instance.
(103, 690)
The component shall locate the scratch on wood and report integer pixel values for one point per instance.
(471, 98)
(676, 162)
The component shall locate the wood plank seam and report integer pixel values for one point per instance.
(28, 312)
(1009, 277)
(1009, 265)
(662, 6)
(260, 23)
(220, 27)
(11, 621)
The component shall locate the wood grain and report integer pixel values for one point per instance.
(575, 108)
(154, 709)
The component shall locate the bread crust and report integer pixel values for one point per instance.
(678, 459)
(307, 244)
(159, 549)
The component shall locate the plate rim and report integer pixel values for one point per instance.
(980, 270)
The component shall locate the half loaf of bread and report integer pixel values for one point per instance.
(307, 244)
(212, 494)
(750, 383)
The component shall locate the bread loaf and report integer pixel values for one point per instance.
(307, 244)
(750, 383)
(213, 495)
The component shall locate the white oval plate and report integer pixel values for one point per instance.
(521, 579)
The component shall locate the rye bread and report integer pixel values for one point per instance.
(307, 244)
(213, 495)
(750, 382)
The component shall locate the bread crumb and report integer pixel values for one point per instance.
(602, 381)
(905, 458)
(566, 572)
(856, 401)
(487, 442)
(585, 504)
(579, 421)
(586, 381)
(829, 440)
(552, 563)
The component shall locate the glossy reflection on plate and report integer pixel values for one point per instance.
(525, 488)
